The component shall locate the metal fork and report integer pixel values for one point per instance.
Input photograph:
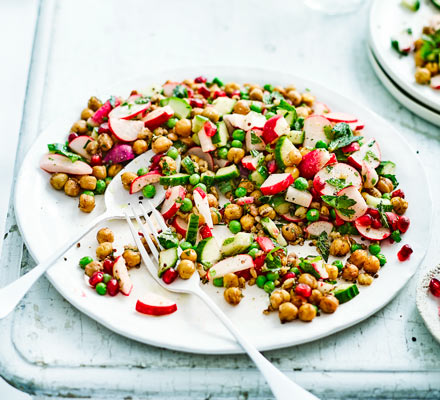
(282, 387)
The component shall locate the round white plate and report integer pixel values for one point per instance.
(427, 304)
(47, 217)
(403, 98)
(388, 18)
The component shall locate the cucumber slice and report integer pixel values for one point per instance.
(174, 180)
(227, 173)
(225, 187)
(270, 227)
(193, 228)
(180, 107)
(289, 116)
(167, 259)
(208, 251)
(188, 165)
(237, 244)
(259, 175)
(280, 205)
(386, 168)
(283, 148)
(207, 178)
(345, 292)
(412, 5)
(296, 137)
(221, 137)
(375, 201)
(198, 122)
(224, 105)
(436, 3)
(167, 239)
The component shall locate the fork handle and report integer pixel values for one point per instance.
(11, 294)
(282, 387)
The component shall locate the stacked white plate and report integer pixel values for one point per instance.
(388, 18)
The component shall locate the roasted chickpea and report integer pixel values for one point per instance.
(167, 164)
(186, 269)
(422, 75)
(287, 312)
(105, 235)
(302, 112)
(308, 280)
(189, 254)
(329, 304)
(99, 172)
(247, 222)
(256, 94)
(161, 145)
(307, 99)
(86, 203)
(315, 297)
(230, 280)
(248, 185)
(87, 182)
(295, 157)
(365, 279)
(132, 257)
(211, 113)
(235, 155)
(385, 185)
(233, 295)
(332, 271)
(233, 211)
(114, 170)
(339, 247)
(399, 205)
(92, 147)
(183, 127)
(93, 267)
(104, 250)
(71, 188)
(86, 114)
(140, 146)
(231, 87)
(80, 127)
(212, 200)
(145, 134)
(294, 96)
(350, 272)
(294, 171)
(278, 297)
(241, 107)
(372, 265)
(215, 217)
(307, 312)
(432, 67)
(127, 178)
(94, 103)
(291, 232)
(297, 300)
(58, 180)
(358, 258)
(267, 211)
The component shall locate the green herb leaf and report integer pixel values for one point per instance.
(298, 124)
(393, 179)
(395, 46)
(180, 91)
(59, 148)
(369, 155)
(338, 183)
(323, 245)
(341, 203)
(268, 98)
(255, 139)
(142, 100)
(341, 135)
(255, 153)
(112, 101)
(383, 217)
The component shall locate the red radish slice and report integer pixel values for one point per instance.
(205, 141)
(314, 130)
(316, 228)
(371, 233)
(234, 121)
(230, 264)
(369, 152)
(251, 163)
(197, 151)
(125, 130)
(320, 108)
(205, 231)
(180, 225)
(141, 181)
(169, 87)
(202, 204)
(291, 218)
(254, 120)
(121, 274)
(370, 176)
(129, 111)
(120, 152)
(245, 200)
(359, 208)
(170, 206)
(340, 171)
(312, 162)
(153, 304)
(58, 163)
(157, 117)
(274, 128)
(301, 197)
(341, 117)
(276, 183)
(318, 266)
(356, 126)
(79, 144)
(435, 82)
(103, 111)
(265, 243)
(332, 160)
(252, 142)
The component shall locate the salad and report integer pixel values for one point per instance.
(270, 165)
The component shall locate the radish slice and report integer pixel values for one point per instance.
(316, 228)
(252, 142)
(169, 87)
(312, 162)
(120, 152)
(230, 264)
(121, 274)
(251, 163)
(369, 153)
(201, 200)
(372, 233)
(205, 231)
(276, 183)
(314, 130)
(103, 111)
(180, 225)
(291, 218)
(170, 206)
(79, 144)
(274, 128)
(245, 200)
(301, 197)
(153, 304)
(220, 162)
(340, 171)
(58, 163)
(340, 117)
(356, 126)
(125, 130)
(318, 266)
(320, 108)
(197, 151)
(129, 110)
(265, 243)
(370, 176)
(205, 141)
(359, 208)
(157, 117)
(254, 120)
(435, 82)
(141, 181)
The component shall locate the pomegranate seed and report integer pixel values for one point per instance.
(289, 275)
(96, 160)
(339, 221)
(108, 266)
(259, 262)
(218, 93)
(434, 287)
(365, 220)
(155, 160)
(235, 93)
(96, 278)
(190, 92)
(104, 128)
(246, 274)
(72, 136)
(351, 147)
(404, 252)
(169, 276)
(303, 290)
(272, 166)
(392, 219)
(403, 224)
(204, 91)
(398, 193)
(196, 102)
(373, 212)
(375, 223)
(200, 79)
(112, 287)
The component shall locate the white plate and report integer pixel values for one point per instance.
(46, 218)
(388, 18)
(403, 98)
(427, 304)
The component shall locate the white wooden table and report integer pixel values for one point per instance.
(49, 349)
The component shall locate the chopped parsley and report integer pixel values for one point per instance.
(369, 155)
(340, 135)
(383, 217)
(142, 100)
(60, 148)
(255, 139)
(323, 245)
(180, 91)
(340, 203)
(337, 183)
(255, 153)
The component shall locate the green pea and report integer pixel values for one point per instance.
(320, 144)
(332, 213)
(234, 226)
(218, 82)
(244, 95)
(106, 278)
(374, 249)
(253, 252)
(142, 171)
(355, 246)
(256, 108)
(272, 276)
(84, 261)
(240, 192)
(254, 245)
(386, 196)
(173, 153)
(187, 205)
(100, 186)
(312, 215)
(222, 153)
(237, 144)
(261, 280)
(301, 183)
(382, 259)
(201, 186)
(339, 264)
(101, 288)
(88, 193)
(270, 114)
(295, 270)
(218, 282)
(395, 235)
(171, 123)
(268, 87)
(149, 191)
(194, 179)
(185, 245)
(239, 134)
(269, 287)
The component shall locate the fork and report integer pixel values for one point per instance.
(282, 387)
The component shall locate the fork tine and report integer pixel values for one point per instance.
(148, 220)
(156, 214)
(146, 234)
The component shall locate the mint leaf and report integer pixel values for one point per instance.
(383, 216)
(337, 183)
(341, 203)
(59, 148)
(341, 135)
(180, 91)
(255, 139)
(369, 155)
(255, 153)
(323, 245)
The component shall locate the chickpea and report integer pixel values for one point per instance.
(295, 156)
(94, 103)
(308, 280)
(71, 188)
(358, 258)
(92, 147)
(304, 151)
(247, 222)
(278, 297)
(127, 178)
(161, 145)
(233, 295)
(86, 203)
(307, 99)
(241, 107)
(256, 94)
(350, 272)
(302, 112)
(80, 127)
(267, 211)
(432, 67)
(399, 205)
(235, 155)
(294, 171)
(132, 257)
(287, 312)
(372, 265)
(307, 312)
(365, 279)
(172, 136)
(233, 211)
(294, 96)
(140, 146)
(104, 250)
(291, 232)
(160, 131)
(58, 180)
(87, 182)
(385, 185)
(186, 269)
(301, 212)
(211, 113)
(280, 90)
(329, 304)
(339, 247)
(332, 271)
(196, 111)
(422, 75)
(167, 164)
(230, 280)
(231, 87)
(212, 200)
(114, 170)
(418, 59)
(315, 297)
(93, 267)
(297, 300)
(183, 127)
(105, 235)
(215, 216)
(99, 172)
(325, 212)
(145, 134)
(86, 114)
